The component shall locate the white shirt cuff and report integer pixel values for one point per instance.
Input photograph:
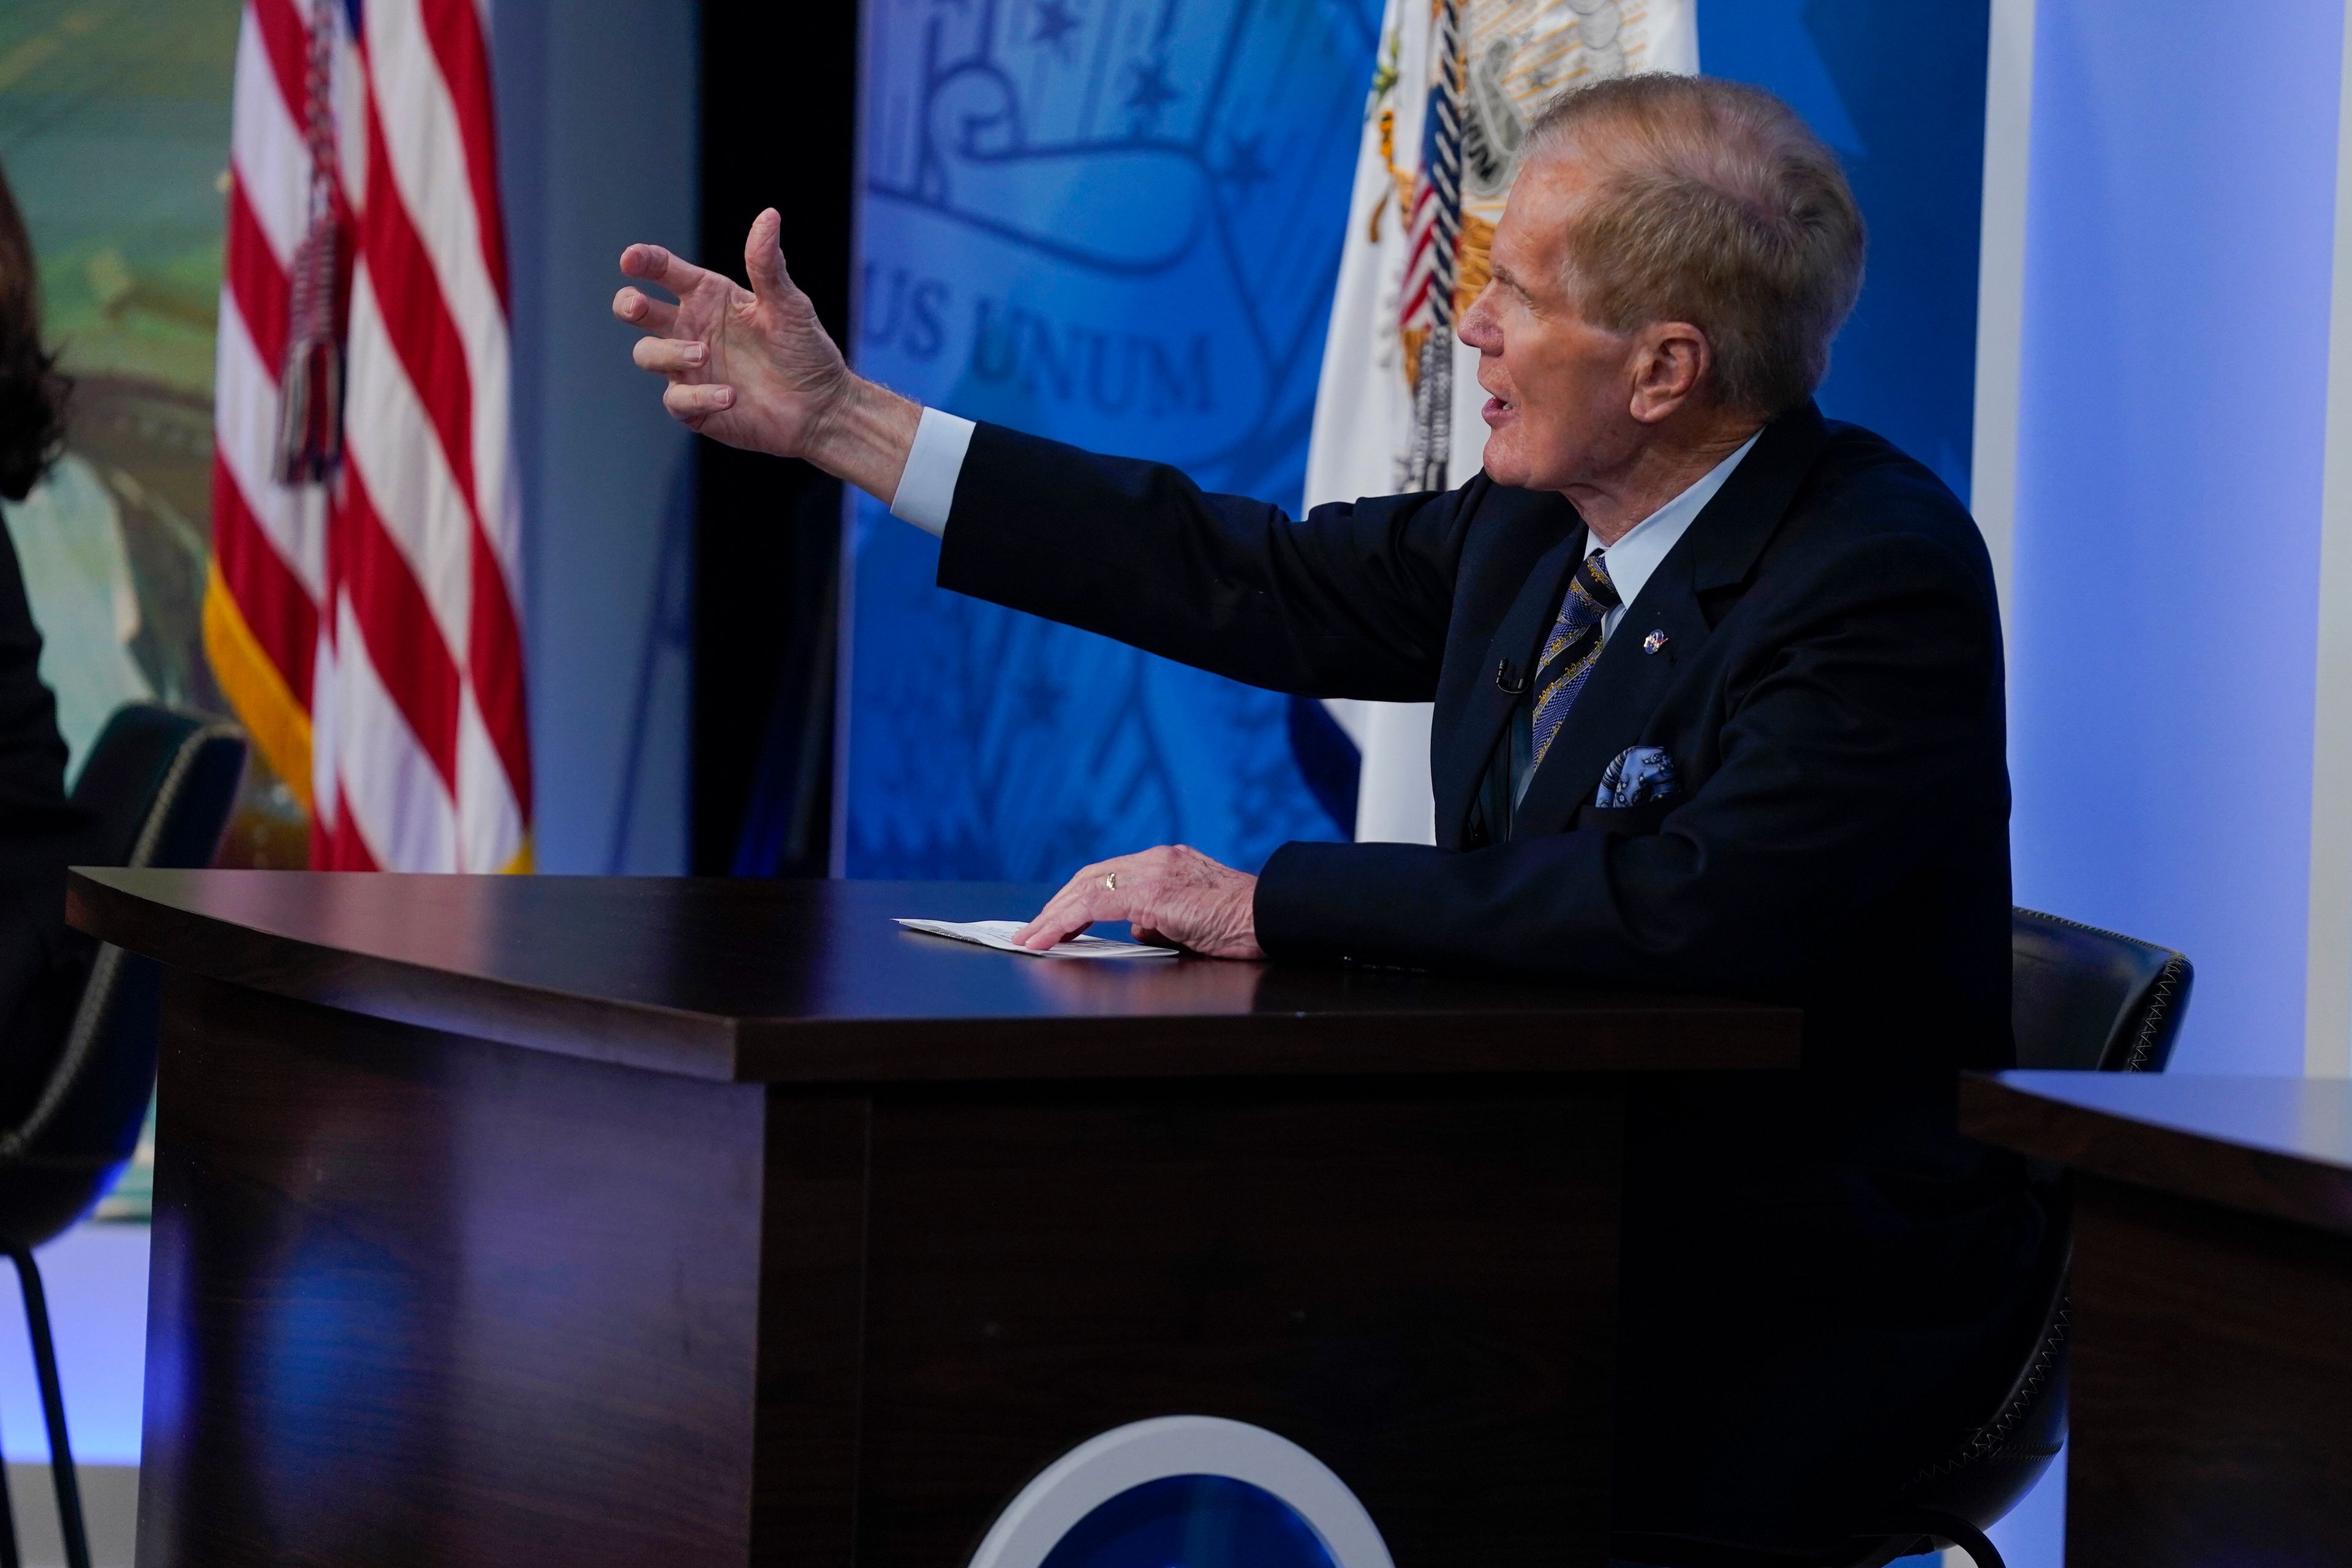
(927, 486)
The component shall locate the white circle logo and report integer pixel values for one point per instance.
(1184, 1491)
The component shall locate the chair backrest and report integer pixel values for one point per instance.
(157, 789)
(2087, 1000)
(2093, 1000)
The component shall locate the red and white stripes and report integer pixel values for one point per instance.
(368, 631)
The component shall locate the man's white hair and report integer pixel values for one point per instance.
(1714, 204)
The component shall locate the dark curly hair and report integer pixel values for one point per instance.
(32, 393)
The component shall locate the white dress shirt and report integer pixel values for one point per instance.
(1633, 557)
(1632, 562)
(926, 484)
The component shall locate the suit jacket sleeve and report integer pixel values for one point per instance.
(1853, 741)
(1351, 601)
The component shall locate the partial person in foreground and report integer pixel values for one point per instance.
(42, 962)
(1719, 708)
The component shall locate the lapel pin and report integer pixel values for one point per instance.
(1653, 642)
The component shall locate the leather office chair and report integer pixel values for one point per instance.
(156, 790)
(2086, 1000)
(2093, 1000)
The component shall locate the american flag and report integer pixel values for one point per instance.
(361, 611)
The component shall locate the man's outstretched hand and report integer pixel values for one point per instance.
(754, 367)
(1169, 894)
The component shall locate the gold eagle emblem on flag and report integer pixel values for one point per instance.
(1487, 67)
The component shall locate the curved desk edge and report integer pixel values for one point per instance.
(2022, 1112)
(627, 1033)
(1593, 1033)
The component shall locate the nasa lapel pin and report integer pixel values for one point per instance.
(1653, 642)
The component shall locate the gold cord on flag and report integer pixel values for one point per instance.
(311, 383)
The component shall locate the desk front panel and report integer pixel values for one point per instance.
(1417, 1282)
(417, 1298)
(2212, 1386)
(420, 1296)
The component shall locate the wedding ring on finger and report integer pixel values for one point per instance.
(1110, 882)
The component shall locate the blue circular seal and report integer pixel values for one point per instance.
(1185, 1491)
(1197, 1521)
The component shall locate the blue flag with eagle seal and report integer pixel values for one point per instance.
(1115, 223)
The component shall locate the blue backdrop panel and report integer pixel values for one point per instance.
(2173, 398)
(1899, 91)
(1116, 223)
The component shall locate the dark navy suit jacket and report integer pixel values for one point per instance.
(1823, 1284)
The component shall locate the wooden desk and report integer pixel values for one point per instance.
(2212, 1376)
(578, 1220)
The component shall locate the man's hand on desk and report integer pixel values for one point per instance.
(754, 367)
(1171, 894)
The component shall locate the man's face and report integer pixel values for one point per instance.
(1560, 387)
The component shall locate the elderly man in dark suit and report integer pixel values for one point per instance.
(1718, 707)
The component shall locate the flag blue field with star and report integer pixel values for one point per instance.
(1115, 223)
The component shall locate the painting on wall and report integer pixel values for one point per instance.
(114, 130)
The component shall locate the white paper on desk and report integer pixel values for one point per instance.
(999, 934)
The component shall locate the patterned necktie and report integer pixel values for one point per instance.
(1574, 645)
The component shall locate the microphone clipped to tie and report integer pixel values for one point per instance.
(1509, 681)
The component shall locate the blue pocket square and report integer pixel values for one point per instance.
(1636, 775)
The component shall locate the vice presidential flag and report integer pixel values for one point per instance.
(366, 535)
(1397, 408)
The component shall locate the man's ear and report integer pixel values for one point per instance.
(1671, 360)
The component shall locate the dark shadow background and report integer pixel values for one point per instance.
(779, 129)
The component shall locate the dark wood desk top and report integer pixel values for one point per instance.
(809, 982)
(2277, 1146)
